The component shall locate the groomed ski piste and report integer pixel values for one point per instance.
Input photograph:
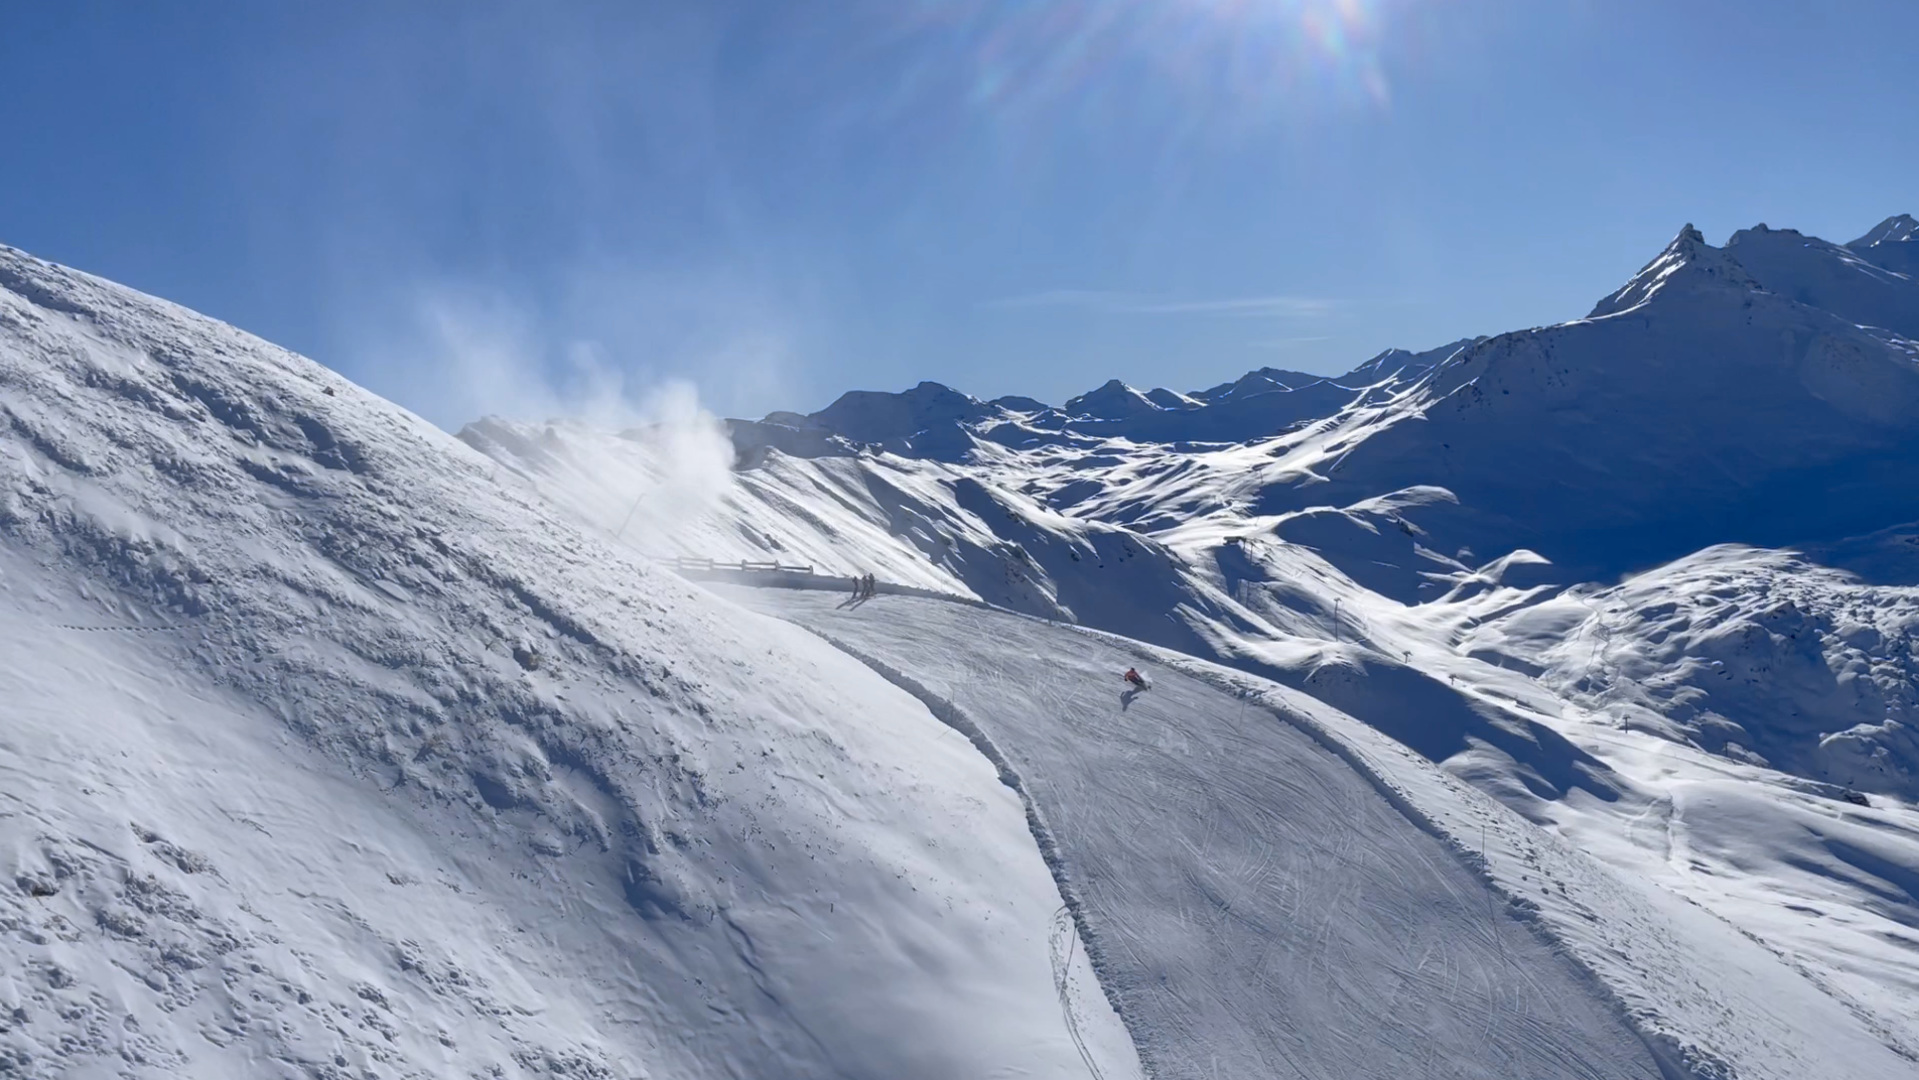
(1244, 856)
(1255, 906)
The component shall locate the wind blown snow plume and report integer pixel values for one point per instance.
(650, 483)
(479, 354)
(326, 755)
(694, 457)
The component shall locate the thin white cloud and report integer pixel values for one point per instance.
(1123, 303)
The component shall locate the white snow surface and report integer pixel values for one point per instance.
(1254, 904)
(1233, 805)
(324, 755)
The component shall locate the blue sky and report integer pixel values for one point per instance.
(509, 207)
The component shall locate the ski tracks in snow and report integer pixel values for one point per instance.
(1252, 905)
(1062, 940)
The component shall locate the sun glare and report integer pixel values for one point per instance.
(1232, 60)
(1330, 46)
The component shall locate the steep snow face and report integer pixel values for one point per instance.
(326, 755)
(1825, 275)
(1693, 407)
(1893, 244)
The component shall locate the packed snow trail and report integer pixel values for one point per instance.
(1254, 906)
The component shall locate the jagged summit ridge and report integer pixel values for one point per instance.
(1721, 409)
(1858, 284)
(1114, 400)
(1897, 229)
(1263, 380)
(1893, 244)
(934, 420)
(1688, 262)
(1402, 366)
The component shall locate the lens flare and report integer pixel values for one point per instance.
(1237, 59)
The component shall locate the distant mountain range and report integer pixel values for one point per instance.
(1869, 281)
(932, 420)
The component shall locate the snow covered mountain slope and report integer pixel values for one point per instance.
(1255, 905)
(1825, 275)
(917, 522)
(1209, 837)
(1691, 407)
(1760, 655)
(323, 755)
(1893, 244)
(1439, 561)
(335, 746)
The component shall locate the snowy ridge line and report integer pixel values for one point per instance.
(952, 716)
(791, 579)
